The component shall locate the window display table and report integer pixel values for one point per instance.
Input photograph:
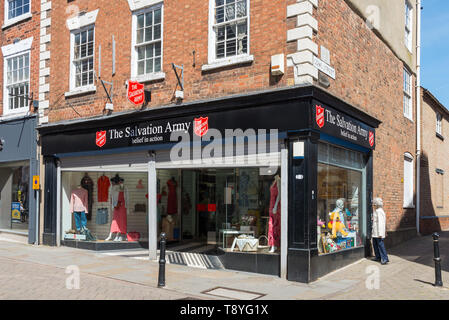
(232, 232)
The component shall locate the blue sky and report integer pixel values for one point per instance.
(435, 49)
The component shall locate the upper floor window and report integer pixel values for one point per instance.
(147, 42)
(17, 83)
(407, 94)
(82, 72)
(408, 25)
(230, 28)
(15, 9)
(438, 125)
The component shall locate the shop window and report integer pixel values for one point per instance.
(15, 195)
(147, 43)
(408, 181)
(98, 206)
(231, 210)
(341, 190)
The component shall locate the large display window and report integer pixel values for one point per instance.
(104, 206)
(341, 194)
(233, 209)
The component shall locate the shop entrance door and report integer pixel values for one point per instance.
(205, 204)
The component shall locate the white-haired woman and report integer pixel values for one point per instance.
(379, 232)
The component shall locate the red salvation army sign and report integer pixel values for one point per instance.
(100, 138)
(135, 92)
(201, 126)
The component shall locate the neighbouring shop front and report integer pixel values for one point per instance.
(18, 164)
(276, 183)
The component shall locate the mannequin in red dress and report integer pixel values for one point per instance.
(274, 224)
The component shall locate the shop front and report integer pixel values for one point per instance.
(268, 183)
(18, 164)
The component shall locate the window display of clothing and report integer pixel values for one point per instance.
(172, 199)
(274, 224)
(88, 184)
(119, 200)
(103, 185)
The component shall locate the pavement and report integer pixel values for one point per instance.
(63, 273)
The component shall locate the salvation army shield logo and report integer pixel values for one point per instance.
(319, 116)
(201, 126)
(371, 138)
(135, 92)
(100, 138)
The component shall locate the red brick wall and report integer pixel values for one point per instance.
(23, 30)
(185, 30)
(370, 77)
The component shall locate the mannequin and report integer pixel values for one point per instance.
(119, 201)
(79, 207)
(168, 224)
(274, 224)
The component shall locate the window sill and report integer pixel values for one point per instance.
(439, 136)
(228, 62)
(80, 91)
(149, 77)
(13, 21)
(408, 118)
(9, 115)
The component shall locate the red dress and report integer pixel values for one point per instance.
(103, 189)
(274, 224)
(172, 199)
(119, 219)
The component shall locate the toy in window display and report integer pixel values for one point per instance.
(335, 220)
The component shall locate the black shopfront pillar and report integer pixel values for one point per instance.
(50, 195)
(302, 201)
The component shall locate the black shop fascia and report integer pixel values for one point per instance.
(324, 137)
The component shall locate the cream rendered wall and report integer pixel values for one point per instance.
(390, 25)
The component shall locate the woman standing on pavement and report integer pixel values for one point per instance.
(378, 232)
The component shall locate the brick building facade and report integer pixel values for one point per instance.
(434, 206)
(327, 46)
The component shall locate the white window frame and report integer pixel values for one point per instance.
(439, 121)
(213, 61)
(23, 16)
(75, 25)
(408, 181)
(407, 93)
(11, 51)
(408, 37)
(159, 75)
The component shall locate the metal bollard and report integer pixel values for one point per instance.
(161, 280)
(437, 259)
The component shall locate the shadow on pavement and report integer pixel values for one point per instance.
(420, 250)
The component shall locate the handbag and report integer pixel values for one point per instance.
(259, 246)
(140, 207)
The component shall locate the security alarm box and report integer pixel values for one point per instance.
(277, 64)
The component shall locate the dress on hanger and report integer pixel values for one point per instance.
(274, 224)
(103, 185)
(172, 199)
(119, 202)
(88, 184)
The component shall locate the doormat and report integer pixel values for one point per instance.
(235, 294)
